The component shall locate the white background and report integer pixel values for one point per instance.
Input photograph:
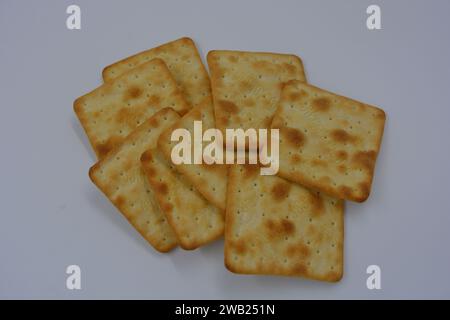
(53, 216)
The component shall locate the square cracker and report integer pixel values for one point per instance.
(277, 227)
(120, 177)
(328, 142)
(110, 112)
(183, 61)
(209, 179)
(246, 86)
(194, 220)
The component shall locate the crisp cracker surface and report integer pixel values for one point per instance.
(182, 59)
(277, 227)
(110, 112)
(246, 86)
(120, 177)
(209, 179)
(328, 142)
(194, 220)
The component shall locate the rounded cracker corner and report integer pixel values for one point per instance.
(334, 277)
(165, 249)
(381, 113)
(296, 57)
(360, 197)
(210, 54)
(188, 246)
(187, 40)
(229, 266)
(77, 105)
(105, 73)
(92, 171)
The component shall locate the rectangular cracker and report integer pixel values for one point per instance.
(246, 86)
(209, 179)
(194, 220)
(183, 61)
(110, 112)
(120, 177)
(328, 142)
(277, 227)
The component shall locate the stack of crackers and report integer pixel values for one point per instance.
(287, 224)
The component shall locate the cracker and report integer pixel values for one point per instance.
(209, 179)
(183, 61)
(277, 227)
(120, 177)
(246, 86)
(110, 112)
(328, 142)
(194, 220)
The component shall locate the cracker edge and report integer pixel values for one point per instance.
(81, 115)
(228, 233)
(299, 178)
(96, 166)
(191, 245)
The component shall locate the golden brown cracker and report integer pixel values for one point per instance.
(120, 177)
(277, 227)
(182, 59)
(111, 112)
(328, 142)
(246, 86)
(194, 220)
(209, 179)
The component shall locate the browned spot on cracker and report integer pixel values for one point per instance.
(239, 246)
(150, 171)
(250, 170)
(319, 163)
(342, 155)
(321, 104)
(161, 188)
(280, 228)
(228, 106)
(342, 136)
(280, 190)
(297, 250)
(300, 268)
(195, 114)
(133, 92)
(294, 96)
(108, 145)
(166, 207)
(294, 137)
(365, 159)
(129, 116)
(120, 202)
(316, 202)
(146, 156)
(345, 192)
(154, 122)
